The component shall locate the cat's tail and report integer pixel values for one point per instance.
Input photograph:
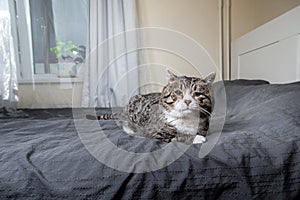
(103, 117)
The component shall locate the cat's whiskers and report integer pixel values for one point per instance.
(205, 112)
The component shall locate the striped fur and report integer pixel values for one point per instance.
(102, 117)
(179, 113)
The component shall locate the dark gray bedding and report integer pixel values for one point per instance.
(257, 155)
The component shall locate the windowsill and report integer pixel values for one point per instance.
(51, 78)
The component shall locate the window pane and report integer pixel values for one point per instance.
(43, 35)
(59, 33)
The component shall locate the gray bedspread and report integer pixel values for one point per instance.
(257, 155)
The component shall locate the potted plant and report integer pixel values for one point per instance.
(69, 56)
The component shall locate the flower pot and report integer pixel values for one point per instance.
(67, 69)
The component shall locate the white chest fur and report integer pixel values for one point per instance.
(185, 116)
(186, 125)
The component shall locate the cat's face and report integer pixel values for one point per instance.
(187, 95)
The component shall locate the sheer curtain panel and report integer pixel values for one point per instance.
(111, 74)
(8, 69)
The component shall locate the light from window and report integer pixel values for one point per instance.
(59, 32)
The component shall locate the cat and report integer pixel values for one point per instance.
(181, 112)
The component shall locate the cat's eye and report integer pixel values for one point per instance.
(169, 100)
(197, 94)
(178, 92)
(166, 95)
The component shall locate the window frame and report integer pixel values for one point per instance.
(21, 26)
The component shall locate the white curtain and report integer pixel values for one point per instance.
(8, 69)
(65, 18)
(111, 73)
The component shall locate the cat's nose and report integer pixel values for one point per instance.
(187, 102)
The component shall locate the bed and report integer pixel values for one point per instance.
(256, 156)
(270, 52)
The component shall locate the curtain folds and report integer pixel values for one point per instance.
(111, 71)
(8, 69)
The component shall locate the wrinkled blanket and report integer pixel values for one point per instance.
(257, 155)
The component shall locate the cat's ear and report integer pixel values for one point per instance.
(210, 78)
(171, 77)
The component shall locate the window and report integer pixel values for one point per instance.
(43, 35)
(52, 34)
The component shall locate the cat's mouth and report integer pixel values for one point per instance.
(186, 110)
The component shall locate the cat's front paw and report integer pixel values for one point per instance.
(199, 139)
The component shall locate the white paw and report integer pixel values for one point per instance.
(199, 139)
(128, 130)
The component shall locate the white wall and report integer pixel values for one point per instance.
(249, 14)
(49, 95)
(197, 19)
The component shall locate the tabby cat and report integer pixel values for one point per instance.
(181, 112)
